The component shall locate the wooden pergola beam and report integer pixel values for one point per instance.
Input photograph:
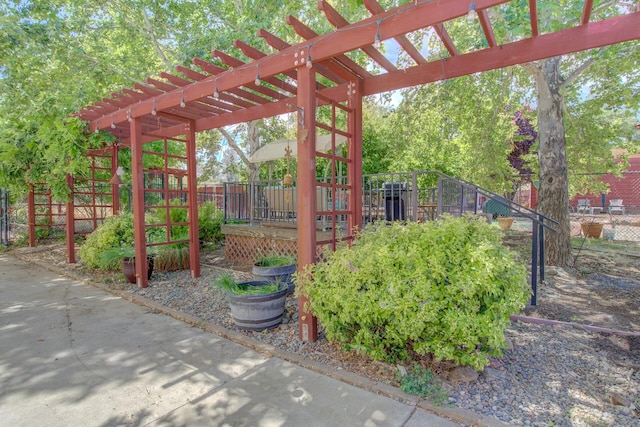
(331, 71)
(254, 53)
(446, 39)
(401, 20)
(308, 34)
(485, 23)
(374, 8)
(240, 94)
(338, 21)
(595, 34)
(533, 17)
(234, 62)
(148, 90)
(136, 95)
(586, 12)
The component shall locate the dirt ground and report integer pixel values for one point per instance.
(602, 289)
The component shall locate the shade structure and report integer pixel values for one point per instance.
(276, 149)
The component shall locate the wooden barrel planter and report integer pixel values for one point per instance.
(129, 268)
(276, 274)
(258, 312)
(592, 229)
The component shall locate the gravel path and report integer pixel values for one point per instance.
(551, 375)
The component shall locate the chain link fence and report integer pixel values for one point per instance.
(606, 226)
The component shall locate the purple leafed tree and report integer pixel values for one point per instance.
(525, 137)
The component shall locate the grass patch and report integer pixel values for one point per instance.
(421, 382)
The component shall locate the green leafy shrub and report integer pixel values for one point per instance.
(209, 223)
(176, 215)
(446, 288)
(114, 232)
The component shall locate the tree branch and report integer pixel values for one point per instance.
(232, 143)
(531, 68)
(114, 70)
(154, 40)
(574, 75)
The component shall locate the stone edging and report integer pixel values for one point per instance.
(457, 415)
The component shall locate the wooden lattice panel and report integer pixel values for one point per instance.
(247, 249)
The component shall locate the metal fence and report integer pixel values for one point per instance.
(13, 220)
(618, 227)
(4, 217)
(405, 196)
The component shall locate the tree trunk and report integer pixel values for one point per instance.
(554, 187)
(253, 141)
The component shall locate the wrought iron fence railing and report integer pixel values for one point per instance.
(4, 217)
(402, 196)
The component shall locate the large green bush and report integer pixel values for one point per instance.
(446, 288)
(114, 232)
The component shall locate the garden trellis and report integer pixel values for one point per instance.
(270, 84)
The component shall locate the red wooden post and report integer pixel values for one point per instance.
(31, 215)
(115, 188)
(70, 226)
(192, 188)
(354, 172)
(137, 183)
(307, 323)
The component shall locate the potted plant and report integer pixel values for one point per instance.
(126, 255)
(276, 268)
(591, 229)
(255, 305)
(505, 222)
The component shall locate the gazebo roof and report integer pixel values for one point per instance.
(265, 85)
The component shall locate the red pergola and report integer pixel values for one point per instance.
(266, 85)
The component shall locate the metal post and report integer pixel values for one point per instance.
(440, 195)
(4, 218)
(541, 244)
(31, 215)
(224, 202)
(534, 262)
(414, 195)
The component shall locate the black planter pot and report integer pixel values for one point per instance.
(280, 274)
(258, 312)
(129, 268)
